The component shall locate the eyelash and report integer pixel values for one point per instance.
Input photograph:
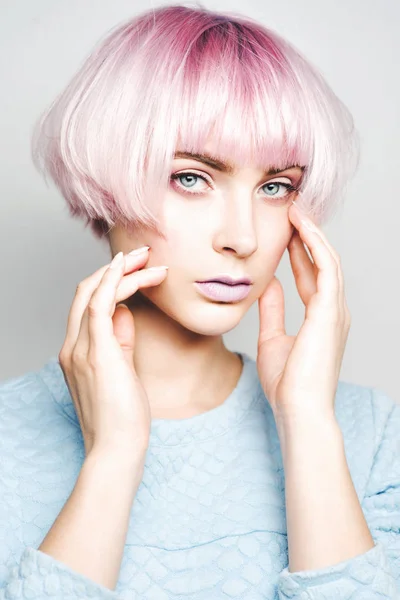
(176, 176)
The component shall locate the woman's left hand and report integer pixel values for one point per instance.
(299, 374)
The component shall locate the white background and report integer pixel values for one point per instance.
(44, 253)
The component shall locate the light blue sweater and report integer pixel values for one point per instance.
(208, 521)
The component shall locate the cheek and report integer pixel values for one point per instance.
(185, 229)
(273, 242)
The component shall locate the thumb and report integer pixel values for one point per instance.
(271, 306)
(124, 331)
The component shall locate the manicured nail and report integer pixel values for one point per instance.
(117, 261)
(156, 268)
(301, 211)
(139, 250)
(305, 221)
(309, 225)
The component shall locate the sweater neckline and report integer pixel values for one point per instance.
(173, 432)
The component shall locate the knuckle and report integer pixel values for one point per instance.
(63, 357)
(80, 287)
(92, 362)
(78, 358)
(94, 309)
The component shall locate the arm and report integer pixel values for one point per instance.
(332, 552)
(89, 533)
(81, 555)
(322, 506)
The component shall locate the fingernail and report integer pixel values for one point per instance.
(156, 268)
(139, 250)
(301, 211)
(117, 260)
(309, 225)
(305, 220)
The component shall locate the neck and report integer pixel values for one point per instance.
(183, 373)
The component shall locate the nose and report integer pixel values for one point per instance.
(236, 230)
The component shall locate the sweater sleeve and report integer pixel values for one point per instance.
(376, 573)
(26, 572)
(39, 576)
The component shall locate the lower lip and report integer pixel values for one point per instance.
(223, 292)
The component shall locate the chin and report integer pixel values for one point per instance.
(209, 318)
(197, 314)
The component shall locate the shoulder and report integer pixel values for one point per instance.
(370, 421)
(41, 454)
(21, 395)
(365, 409)
(33, 395)
(39, 440)
(26, 384)
(35, 409)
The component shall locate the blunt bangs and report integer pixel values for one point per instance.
(171, 79)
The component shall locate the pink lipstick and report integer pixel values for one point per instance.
(223, 292)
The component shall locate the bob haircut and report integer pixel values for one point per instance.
(166, 80)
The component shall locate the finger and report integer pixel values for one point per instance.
(304, 269)
(299, 215)
(335, 256)
(328, 282)
(132, 282)
(303, 215)
(101, 307)
(124, 330)
(84, 292)
(271, 305)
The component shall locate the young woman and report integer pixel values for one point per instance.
(147, 461)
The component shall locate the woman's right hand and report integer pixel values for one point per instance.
(97, 357)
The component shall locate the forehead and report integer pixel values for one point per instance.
(224, 166)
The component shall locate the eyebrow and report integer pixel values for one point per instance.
(225, 167)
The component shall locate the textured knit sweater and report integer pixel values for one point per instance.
(208, 520)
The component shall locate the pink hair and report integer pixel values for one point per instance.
(178, 74)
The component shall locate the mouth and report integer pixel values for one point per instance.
(228, 280)
(223, 292)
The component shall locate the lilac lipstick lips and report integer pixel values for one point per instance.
(225, 289)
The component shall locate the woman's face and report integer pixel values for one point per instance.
(236, 224)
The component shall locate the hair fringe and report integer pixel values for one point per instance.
(177, 74)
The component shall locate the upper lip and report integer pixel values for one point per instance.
(228, 279)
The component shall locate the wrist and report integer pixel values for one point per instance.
(302, 431)
(309, 419)
(118, 459)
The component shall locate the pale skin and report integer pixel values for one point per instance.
(168, 317)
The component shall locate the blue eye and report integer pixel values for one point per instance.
(188, 176)
(287, 186)
(185, 189)
(192, 179)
